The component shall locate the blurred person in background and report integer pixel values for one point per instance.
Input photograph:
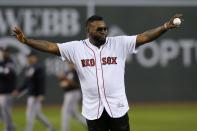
(34, 83)
(69, 82)
(100, 63)
(7, 87)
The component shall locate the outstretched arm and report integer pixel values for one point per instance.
(153, 34)
(41, 45)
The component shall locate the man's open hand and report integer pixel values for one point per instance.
(18, 33)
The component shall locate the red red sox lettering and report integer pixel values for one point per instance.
(104, 61)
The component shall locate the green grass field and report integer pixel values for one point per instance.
(143, 117)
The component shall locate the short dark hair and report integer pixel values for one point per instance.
(93, 18)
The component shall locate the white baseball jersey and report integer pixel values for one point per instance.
(101, 73)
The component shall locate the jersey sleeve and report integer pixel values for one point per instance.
(129, 44)
(67, 50)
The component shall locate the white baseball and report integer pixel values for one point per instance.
(177, 21)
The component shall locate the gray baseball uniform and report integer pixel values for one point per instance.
(72, 97)
(34, 110)
(35, 83)
(7, 86)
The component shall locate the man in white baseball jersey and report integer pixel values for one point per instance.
(99, 61)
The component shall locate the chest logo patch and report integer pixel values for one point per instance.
(104, 61)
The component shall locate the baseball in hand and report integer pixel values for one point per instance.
(177, 21)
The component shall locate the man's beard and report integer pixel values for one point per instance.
(99, 41)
